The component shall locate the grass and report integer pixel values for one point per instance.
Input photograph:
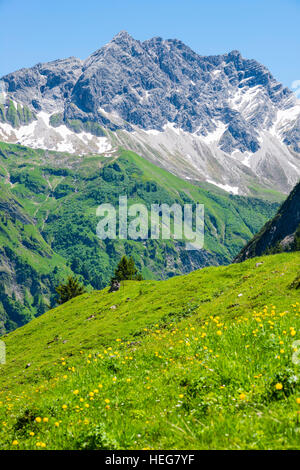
(202, 361)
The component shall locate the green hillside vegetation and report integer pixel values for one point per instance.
(17, 115)
(281, 233)
(59, 194)
(29, 269)
(206, 360)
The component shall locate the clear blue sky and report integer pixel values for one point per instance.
(35, 31)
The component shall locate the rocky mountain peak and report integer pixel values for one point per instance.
(228, 105)
(122, 36)
(235, 53)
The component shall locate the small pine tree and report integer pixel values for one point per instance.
(68, 291)
(126, 270)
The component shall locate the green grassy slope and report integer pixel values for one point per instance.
(59, 194)
(198, 361)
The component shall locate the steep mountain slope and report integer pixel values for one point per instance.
(282, 233)
(58, 194)
(222, 119)
(191, 362)
(29, 269)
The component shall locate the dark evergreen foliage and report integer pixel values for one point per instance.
(126, 271)
(72, 288)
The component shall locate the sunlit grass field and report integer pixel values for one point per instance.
(203, 361)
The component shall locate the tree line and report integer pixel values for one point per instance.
(126, 270)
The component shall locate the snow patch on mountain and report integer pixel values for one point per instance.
(225, 187)
(284, 120)
(215, 135)
(40, 134)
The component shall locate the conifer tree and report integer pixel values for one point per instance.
(72, 288)
(126, 270)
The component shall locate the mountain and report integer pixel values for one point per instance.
(221, 119)
(193, 362)
(48, 221)
(29, 268)
(282, 233)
